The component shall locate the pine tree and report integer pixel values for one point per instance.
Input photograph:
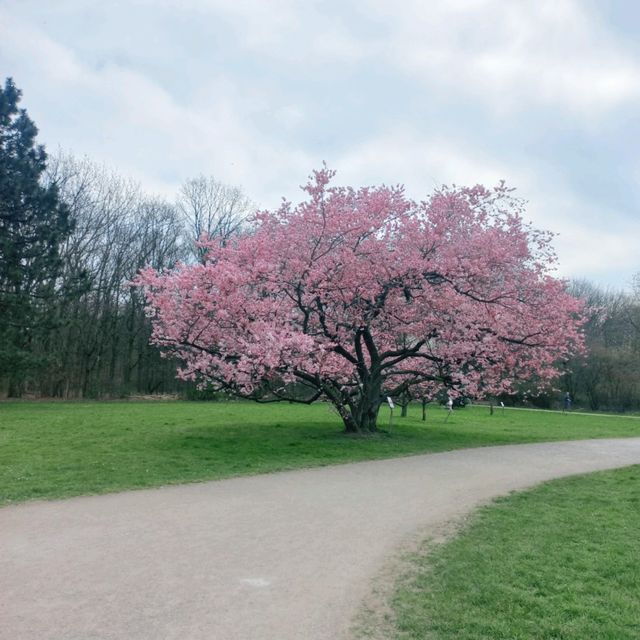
(33, 224)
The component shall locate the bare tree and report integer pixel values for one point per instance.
(98, 342)
(101, 344)
(212, 209)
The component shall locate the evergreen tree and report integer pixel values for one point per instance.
(33, 224)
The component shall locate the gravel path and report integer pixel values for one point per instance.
(274, 557)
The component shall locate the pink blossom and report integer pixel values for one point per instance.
(352, 295)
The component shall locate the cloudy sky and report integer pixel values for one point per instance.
(544, 94)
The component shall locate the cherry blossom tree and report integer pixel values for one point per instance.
(355, 294)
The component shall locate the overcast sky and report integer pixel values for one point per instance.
(543, 94)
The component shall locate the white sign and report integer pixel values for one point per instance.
(390, 402)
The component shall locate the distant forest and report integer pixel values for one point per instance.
(73, 234)
(96, 341)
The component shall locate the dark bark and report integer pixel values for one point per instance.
(361, 415)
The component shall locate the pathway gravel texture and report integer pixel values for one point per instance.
(273, 557)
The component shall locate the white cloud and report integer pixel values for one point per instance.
(141, 127)
(590, 242)
(421, 162)
(52, 60)
(264, 132)
(512, 55)
(265, 26)
(597, 253)
(594, 242)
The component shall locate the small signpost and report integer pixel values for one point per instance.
(391, 408)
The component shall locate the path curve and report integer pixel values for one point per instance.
(274, 557)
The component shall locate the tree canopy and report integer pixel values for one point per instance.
(354, 294)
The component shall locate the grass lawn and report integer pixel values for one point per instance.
(51, 450)
(559, 562)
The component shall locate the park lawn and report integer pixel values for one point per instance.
(558, 562)
(58, 449)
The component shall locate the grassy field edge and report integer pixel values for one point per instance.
(57, 450)
(554, 562)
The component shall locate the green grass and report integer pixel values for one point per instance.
(559, 562)
(51, 450)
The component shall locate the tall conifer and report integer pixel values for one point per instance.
(33, 224)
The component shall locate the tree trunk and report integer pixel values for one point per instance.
(4, 387)
(424, 410)
(361, 416)
(363, 423)
(16, 386)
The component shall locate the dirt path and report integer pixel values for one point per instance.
(275, 557)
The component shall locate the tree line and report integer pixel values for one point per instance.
(607, 376)
(74, 235)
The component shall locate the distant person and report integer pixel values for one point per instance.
(567, 402)
(449, 406)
